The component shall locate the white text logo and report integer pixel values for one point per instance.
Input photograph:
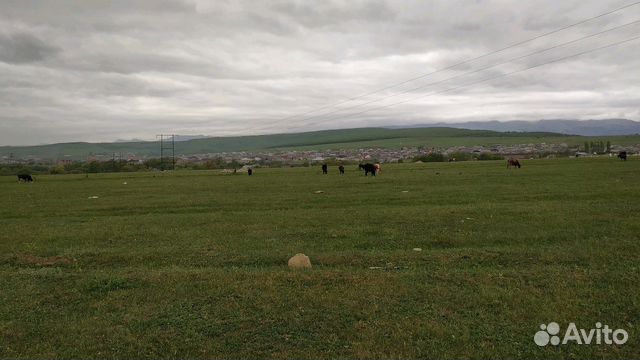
(550, 334)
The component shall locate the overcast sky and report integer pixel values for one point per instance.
(107, 70)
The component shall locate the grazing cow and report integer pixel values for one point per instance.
(325, 169)
(341, 169)
(250, 171)
(513, 162)
(378, 169)
(368, 168)
(622, 155)
(25, 178)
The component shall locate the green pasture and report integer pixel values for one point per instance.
(193, 264)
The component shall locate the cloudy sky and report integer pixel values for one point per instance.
(124, 69)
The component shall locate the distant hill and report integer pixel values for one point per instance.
(317, 140)
(176, 138)
(570, 127)
(328, 139)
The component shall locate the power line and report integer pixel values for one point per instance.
(487, 79)
(460, 63)
(473, 71)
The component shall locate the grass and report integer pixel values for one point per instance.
(193, 264)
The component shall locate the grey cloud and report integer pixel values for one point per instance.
(121, 69)
(335, 13)
(24, 48)
(74, 12)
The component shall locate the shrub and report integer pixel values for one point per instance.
(431, 157)
(490, 156)
(460, 156)
(57, 170)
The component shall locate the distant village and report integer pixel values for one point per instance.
(386, 155)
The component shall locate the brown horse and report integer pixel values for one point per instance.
(513, 162)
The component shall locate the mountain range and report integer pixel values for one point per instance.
(607, 127)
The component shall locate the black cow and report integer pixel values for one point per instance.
(622, 155)
(250, 171)
(25, 178)
(325, 168)
(341, 169)
(368, 168)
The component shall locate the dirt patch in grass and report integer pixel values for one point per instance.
(44, 261)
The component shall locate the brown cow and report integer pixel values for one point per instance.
(368, 168)
(513, 162)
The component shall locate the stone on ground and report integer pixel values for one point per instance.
(299, 261)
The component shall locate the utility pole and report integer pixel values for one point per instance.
(161, 152)
(166, 145)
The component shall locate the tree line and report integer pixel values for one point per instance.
(598, 147)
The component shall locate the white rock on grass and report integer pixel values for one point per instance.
(299, 261)
(417, 249)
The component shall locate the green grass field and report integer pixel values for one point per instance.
(194, 264)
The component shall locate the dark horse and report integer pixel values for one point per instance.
(513, 162)
(25, 178)
(368, 168)
(325, 168)
(341, 169)
(623, 155)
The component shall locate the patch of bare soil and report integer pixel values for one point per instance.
(44, 261)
